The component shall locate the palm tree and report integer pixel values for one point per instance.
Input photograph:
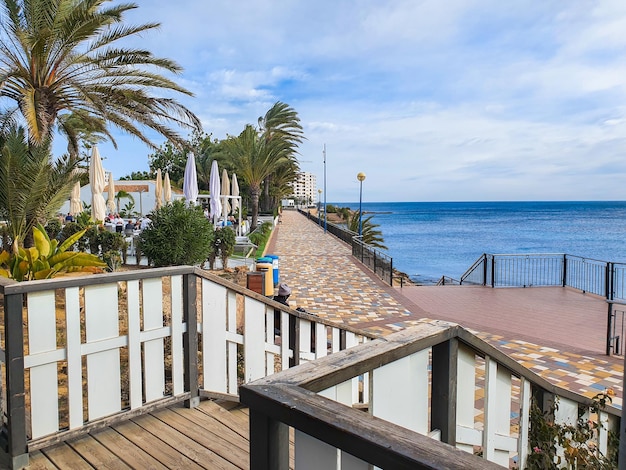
(32, 187)
(61, 56)
(255, 158)
(371, 235)
(281, 122)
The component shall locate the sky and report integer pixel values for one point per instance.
(456, 100)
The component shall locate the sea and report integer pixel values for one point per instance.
(428, 240)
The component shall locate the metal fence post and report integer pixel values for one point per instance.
(609, 328)
(15, 399)
(190, 339)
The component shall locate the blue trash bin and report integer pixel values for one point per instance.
(275, 271)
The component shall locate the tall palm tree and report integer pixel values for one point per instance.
(254, 159)
(32, 187)
(61, 56)
(281, 122)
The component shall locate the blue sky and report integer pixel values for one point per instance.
(455, 100)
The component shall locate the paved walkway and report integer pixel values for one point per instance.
(326, 280)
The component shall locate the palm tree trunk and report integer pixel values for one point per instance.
(255, 190)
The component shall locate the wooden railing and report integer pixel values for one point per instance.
(81, 353)
(434, 396)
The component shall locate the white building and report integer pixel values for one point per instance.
(305, 189)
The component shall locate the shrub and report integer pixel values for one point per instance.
(225, 242)
(53, 228)
(178, 235)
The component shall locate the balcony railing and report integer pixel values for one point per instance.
(81, 353)
(434, 396)
(603, 278)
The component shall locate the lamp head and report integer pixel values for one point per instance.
(360, 176)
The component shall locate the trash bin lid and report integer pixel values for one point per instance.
(264, 259)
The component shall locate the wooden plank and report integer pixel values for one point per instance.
(254, 343)
(135, 373)
(132, 455)
(74, 357)
(214, 337)
(37, 461)
(43, 378)
(154, 370)
(214, 426)
(199, 453)
(96, 454)
(169, 456)
(64, 456)
(102, 323)
(205, 437)
(238, 423)
(176, 302)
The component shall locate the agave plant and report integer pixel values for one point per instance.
(48, 259)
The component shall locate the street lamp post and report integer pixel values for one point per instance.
(361, 178)
(319, 202)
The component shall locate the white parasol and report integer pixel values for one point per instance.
(158, 190)
(111, 196)
(190, 181)
(76, 205)
(214, 189)
(225, 192)
(235, 193)
(167, 188)
(96, 179)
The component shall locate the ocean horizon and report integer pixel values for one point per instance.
(428, 240)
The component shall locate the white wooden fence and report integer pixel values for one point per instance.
(80, 353)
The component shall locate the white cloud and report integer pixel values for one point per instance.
(454, 100)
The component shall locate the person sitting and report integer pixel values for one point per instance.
(145, 222)
(284, 291)
(69, 217)
(129, 227)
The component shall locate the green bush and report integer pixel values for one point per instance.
(178, 235)
(225, 243)
(53, 228)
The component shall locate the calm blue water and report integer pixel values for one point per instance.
(431, 239)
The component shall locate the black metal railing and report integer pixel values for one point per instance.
(603, 278)
(376, 260)
(616, 328)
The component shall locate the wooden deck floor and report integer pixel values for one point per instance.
(207, 437)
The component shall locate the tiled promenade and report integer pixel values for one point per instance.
(326, 280)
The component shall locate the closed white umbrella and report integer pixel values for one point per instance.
(225, 192)
(158, 190)
(235, 193)
(111, 196)
(96, 180)
(167, 188)
(236, 205)
(76, 205)
(190, 181)
(214, 188)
